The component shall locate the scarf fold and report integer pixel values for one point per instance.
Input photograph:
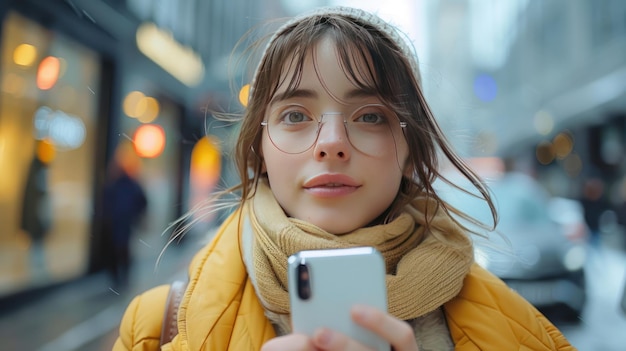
(425, 268)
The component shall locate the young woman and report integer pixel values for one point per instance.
(338, 148)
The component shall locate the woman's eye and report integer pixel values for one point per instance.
(372, 118)
(295, 117)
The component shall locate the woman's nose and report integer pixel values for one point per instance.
(332, 141)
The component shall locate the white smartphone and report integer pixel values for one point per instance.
(325, 284)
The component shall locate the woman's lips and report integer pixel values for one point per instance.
(331, 185)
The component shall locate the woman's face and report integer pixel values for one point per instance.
(350, 175)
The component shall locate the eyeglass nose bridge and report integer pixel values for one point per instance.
(322, 121)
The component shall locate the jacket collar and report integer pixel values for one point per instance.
(221, 297)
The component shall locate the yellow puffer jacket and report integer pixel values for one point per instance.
(220, 310)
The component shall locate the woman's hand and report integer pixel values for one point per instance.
(291, 342)
(398, 333)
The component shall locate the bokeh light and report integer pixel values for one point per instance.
(45, 151)
(485, 87)
(25, 55)
(48, 72)
(562, 145)
(205, 159)
(134, 104)
(205, 170)
(543, 122)
(151, 111)
(149, 140)
(244, 95)
(544, 153)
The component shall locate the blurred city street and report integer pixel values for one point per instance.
(84, 314)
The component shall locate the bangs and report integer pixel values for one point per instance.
(364, 60)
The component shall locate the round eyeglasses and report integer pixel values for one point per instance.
(293, 129)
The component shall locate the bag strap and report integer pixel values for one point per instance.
(169, 329)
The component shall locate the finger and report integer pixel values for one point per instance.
(291, 342)
(329, 340)
(399, 333)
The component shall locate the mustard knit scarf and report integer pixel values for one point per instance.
(425, 268)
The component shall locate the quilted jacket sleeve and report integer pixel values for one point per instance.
(560, 342)
(488, 315)
(140, 328)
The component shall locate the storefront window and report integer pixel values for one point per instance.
(48, 106)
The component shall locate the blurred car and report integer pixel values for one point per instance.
(539, 245)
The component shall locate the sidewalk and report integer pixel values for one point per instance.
(85, 314)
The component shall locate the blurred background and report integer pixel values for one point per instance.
(101, 96)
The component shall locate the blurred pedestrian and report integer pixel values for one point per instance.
(37, 207)
(594, 204)
(124, 204)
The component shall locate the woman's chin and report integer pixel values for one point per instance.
(336, 226)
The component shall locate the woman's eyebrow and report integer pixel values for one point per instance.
(294, 93)
(360, 93)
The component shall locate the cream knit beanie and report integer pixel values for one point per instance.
(394, 34)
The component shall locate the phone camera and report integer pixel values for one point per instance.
(304, 287)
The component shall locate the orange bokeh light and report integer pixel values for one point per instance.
(45, 151)
(48, 72)
(244, 95)
(206, 161)
(25, 55)
(149, 140)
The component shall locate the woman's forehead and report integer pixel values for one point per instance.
(327, 66)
